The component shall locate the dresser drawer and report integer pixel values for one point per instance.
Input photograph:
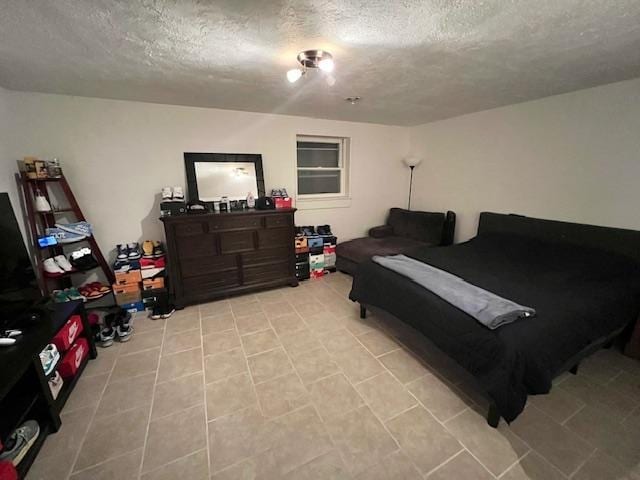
(266, 273)
(240, 222)
(236, 242)
(275, 237)
(267, 255)
(203, 284)
(275, 221)
(189, 229)
(196, 246)
(192, 267)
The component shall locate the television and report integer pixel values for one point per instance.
(19, 289)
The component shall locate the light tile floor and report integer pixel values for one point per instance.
(291, 384)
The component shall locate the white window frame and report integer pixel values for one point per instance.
(343, 167)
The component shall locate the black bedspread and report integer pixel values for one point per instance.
(580, 294)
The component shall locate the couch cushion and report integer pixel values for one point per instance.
(422, 226)
(362, 249)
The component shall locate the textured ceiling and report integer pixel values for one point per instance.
(411, 61)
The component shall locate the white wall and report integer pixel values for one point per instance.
(117, 156)
(572, 157)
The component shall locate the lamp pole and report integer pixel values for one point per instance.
(410, 186)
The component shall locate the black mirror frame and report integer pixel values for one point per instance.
(190, 158)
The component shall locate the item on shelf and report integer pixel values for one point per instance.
(301, 244)
(68, 333)
(158, 249)
(316, 245)
(147, 249)
(152, 283)
(223, 207)
(20, 441)
(283, 202)
(123, 252)
(317, 273)
(72, 360)
(94, 290)
(279, 193)
(196, 207)
(49, 358)
(30, 167)
(324, 230)
(83, 259)
(51, 268)
(127, 294)
(265, 203)
(71, 232)
(169, 208)
(63, 263)
(178, 194)
(41, 203)
(167, 194)
(47, 241)
(67, 295)
(148, 263)
(53, 168)
(316, 261)
(55, 384)
(128, 277)
(251, 200)
(303, 271)
(133, 251)
(307, 231)
(41, 169)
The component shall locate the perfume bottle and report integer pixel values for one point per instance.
(251, 201)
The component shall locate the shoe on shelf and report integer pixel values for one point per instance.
(324, 230)
(147, 249)
(83, 259)
(41, 203)
(19, 442)
(158, 250)
(167, 194)
(51, 268)
(63, 263)
(73, 293)
(178, 194)
(134, 251)
(55, 384)
(49, 358)
(60, 296)
(308, 231)
(123, 252)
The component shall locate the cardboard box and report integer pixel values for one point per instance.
(127, 297)
(133, 307)
(128, 278)
(126, 288)
(316, 261)
(152, 283)
(317, 273)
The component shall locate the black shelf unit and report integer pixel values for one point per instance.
(24, 387)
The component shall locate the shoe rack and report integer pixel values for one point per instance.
(39, 221)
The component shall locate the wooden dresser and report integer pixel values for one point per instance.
(218, 254)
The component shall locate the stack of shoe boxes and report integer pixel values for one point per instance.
(302, 258)
(316, 256)
(126, 288)
(329, 252)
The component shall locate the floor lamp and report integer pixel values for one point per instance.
(411, 162)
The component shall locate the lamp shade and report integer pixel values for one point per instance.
(412, 161)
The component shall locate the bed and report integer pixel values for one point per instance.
(583, 281)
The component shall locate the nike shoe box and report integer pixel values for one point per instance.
(317, 273)
(68, 333)
(72, 360)
(316, 245)
(316, 261)
(303, 271)
(133, 307)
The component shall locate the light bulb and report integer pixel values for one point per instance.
(294, 75)
(326, 65)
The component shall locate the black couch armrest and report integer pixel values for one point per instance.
(381, 231)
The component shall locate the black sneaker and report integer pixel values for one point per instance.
(168, 311)
(308, 231)
(324, 230)
(105, 336)
(158, 251)
(155, 314)
(134, 251)
(124, 332)
(123, 252)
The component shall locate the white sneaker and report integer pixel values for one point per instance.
(51, 268)
(178, 194)
(63, 263)
(49, 358)
(41, 203)
(55, 384)
(167, 195)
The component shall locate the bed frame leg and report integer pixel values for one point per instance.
(493, 417)
(363, 311)
(574, 369)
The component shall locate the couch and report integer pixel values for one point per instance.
(404, 230)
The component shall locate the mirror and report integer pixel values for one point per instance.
(210, 176)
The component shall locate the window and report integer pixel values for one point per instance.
(322, 167)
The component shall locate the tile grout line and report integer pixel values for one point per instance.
(582, 464)
(204, 395)
(153, 397)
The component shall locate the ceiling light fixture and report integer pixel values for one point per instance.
(318, 59)
(353, 100)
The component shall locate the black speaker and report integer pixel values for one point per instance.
(265, 203)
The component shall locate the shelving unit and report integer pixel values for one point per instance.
(38, 223)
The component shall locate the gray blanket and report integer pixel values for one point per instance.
(488, 308)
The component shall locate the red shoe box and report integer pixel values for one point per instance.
(68, 333)
(283, 202)
(73, 358)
